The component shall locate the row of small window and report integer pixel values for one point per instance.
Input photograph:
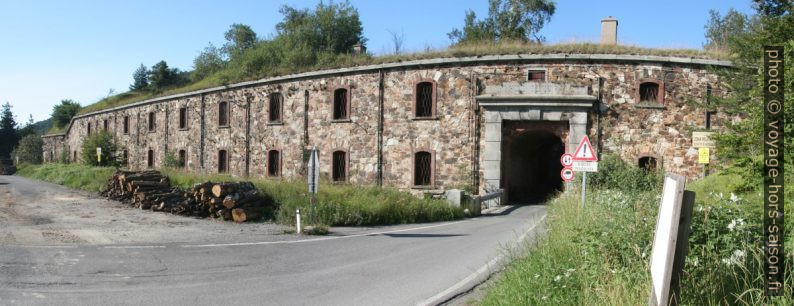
(423, 164)
(425, 104)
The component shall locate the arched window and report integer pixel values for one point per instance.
(423, 168)
(223, 161)
(341, 104)
(182, 158)
(425, 100)
(339, 171)
(150, 158)
(273, 163)
(648, 163)
(223, 114)
(275, 107)
(649, 92)
(152, 123)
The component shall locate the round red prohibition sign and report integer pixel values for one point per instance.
(566, 174)
(566, 160)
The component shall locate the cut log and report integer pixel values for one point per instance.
(241, 215)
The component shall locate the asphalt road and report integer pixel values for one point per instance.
(397, 265)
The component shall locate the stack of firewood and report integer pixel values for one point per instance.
(229, 201)
(151, 190)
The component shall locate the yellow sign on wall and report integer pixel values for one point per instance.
(703, 155)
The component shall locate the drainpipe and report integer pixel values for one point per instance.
(380, 128)
(247, 135)
(600, 108)
(305, 119)
(165, 151)
(475, 88)
(201, 142)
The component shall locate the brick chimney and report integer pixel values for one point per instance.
(609, 31)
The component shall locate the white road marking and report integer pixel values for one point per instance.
(134, 247)
(492, 263)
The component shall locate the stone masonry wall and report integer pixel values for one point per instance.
(628, 128)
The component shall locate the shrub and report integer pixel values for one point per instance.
(101, 139)
(170, 160)
(29, 150)
(615, 173)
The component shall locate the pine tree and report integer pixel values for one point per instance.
(8, 132)
(140, 78)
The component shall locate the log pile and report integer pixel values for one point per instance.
(151, 190)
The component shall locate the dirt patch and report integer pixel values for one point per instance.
(38, 213)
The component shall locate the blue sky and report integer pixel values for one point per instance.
(53, 50)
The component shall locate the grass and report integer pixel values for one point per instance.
(336, 204)
(600, 255)
(77, 176)
(230, 76)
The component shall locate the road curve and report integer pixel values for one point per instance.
(419, 264)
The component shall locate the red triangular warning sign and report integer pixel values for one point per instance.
(584, 152)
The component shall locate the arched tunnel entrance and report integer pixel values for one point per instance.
(531, 161)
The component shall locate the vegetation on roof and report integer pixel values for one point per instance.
(231, 76)
(326, 37)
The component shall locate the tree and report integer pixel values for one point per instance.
(741, 144)
(8, 131)
(29, 128)
(103, 140)
(397, 41)
(720, 29)
(140, 78)
(161, 76)
(507, 20)
(239, 37)
(64, 112)
(207, 62)
(30, 149)
(332, 28)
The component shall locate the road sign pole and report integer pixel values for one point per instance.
(584, 187)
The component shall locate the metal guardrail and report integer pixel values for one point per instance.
(493, 198)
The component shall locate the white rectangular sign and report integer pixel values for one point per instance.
(664, 240)
(703, 140)
(579, 166)
(314, 171)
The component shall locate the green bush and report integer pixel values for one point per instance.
(170, 160)
(101, 139)
(29, 150)
(615, 173)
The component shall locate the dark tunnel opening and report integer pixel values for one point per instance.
(532, 168)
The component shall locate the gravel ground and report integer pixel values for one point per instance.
(39, 213)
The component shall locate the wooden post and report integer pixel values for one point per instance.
(682, 245)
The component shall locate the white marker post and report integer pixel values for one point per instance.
(298, 219)
(98, 155)
(584, 160)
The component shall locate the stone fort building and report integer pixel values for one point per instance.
(487, 122)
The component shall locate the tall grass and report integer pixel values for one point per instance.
(338, 204)
(600, 255)
(71, 175)
(596, 255)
